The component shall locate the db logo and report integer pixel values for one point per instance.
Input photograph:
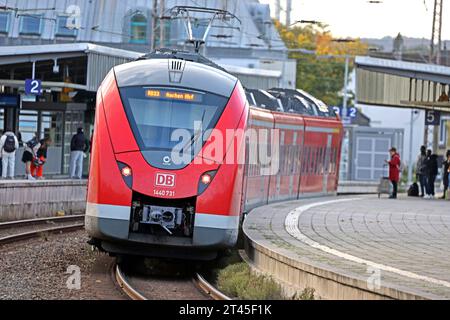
(165, 180)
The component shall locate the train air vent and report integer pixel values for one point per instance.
(176, 69)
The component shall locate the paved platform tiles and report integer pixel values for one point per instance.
(356, 247)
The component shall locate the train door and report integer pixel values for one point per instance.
(326, 169)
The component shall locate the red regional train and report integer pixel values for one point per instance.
(142, 201)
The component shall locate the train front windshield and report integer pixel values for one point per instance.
(155, 113)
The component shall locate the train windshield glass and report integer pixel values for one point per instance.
(155, 113)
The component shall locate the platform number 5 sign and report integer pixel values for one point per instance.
(432, 118)
(33, 86)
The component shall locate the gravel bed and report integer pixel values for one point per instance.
(37, 269)
(160, 288)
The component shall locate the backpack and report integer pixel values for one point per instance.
(10, 144)
(413, 190)
(32, 143)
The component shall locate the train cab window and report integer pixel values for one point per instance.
(155, 113)
(265, 100)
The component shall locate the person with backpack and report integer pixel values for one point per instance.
(445, 173)
(420, 170)
(431, 169)
(394, 171)
(29, 155)
(78, 147)
(8, 146)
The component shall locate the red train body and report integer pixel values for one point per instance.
(142, 202)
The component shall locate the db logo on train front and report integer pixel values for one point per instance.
(165, 180)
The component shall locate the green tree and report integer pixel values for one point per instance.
(317, 73)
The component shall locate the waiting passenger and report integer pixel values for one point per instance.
(446, 173)
(1, 162)
(78, 148)
(29, 154)
(8, 146)
(420, 170)
(37, 166)
(431, 169)
(19, 137)
(394, 171)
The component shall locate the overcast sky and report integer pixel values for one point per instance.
(358, 18)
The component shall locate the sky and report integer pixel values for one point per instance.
(358, 18)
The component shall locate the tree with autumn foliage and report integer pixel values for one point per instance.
(317, 72)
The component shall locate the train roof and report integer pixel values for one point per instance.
(176, 69)
(289, 100)
(164, 53)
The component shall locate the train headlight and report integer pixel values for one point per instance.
(126, 171)
(205, 180)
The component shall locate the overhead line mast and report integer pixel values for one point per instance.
(436, 35)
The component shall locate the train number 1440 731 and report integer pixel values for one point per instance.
(164, 193)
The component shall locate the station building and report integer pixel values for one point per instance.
(71, 45)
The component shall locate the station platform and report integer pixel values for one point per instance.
(354, 247)
(24, 199)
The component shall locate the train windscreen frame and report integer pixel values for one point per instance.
(154, 113)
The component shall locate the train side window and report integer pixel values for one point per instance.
(320, 160)
(305, 161)
(313, 160)
(316, 160)
(308, 161)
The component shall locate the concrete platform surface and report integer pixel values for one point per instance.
(355, 247)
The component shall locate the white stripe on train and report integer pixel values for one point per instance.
(114, 212)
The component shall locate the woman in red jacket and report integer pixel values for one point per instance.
(394, 171)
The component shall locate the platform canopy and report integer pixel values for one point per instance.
(86, 63)
(384, 82)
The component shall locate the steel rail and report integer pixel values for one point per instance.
(199, 282)
(29, 222)
(37, 233)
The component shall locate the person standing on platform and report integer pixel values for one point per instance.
(29, 155)
(445, 173)
(420, 170)
(1, 162)
(8, 146)
(431, 165)
(78, 147)
(19, 137)
(394, 171)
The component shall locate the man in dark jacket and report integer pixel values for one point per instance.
(431, 170)
(420, 170)
(78, 147)
(445, 172)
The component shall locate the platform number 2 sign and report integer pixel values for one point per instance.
(33, 86)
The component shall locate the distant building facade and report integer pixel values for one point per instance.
(133, 25)
(70, 46)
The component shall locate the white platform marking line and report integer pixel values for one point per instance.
(291, 225)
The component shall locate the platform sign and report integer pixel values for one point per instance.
(33, 86)
(432, 118)
(352, 112)
(9, 100)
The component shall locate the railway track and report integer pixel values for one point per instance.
(129, 287)
(69, 223)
